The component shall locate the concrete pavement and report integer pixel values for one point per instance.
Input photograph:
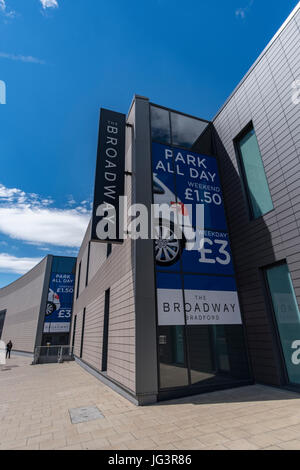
(35, 403)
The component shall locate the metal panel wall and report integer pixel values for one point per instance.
(265, 98)
(114, 273)
(22, 302)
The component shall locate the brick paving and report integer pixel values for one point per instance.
(34, 404)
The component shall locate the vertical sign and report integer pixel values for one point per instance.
(109, 179)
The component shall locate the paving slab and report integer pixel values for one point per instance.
(85, 414)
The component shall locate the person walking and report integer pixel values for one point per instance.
(8, 349)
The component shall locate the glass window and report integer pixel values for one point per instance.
(186, 130)
(61, 264)
(200, 341)
(160, 125)
(183, 131)
(255, 180)
(287, 316)
(171, 332)
(172, 361)
(217, 354)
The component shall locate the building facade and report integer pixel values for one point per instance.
(207, 303)
(155, 321)
(36, 309)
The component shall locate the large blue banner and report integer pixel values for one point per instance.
(204, 290)
(59, 303)
(194, 178)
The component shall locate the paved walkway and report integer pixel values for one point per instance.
(34, 404)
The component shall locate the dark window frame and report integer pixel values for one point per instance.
(74, 331)
(82, 333)
(108, 250)
(88, 265)
(105, 331)
(78, 280)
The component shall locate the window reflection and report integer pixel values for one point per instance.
(160, 125)
(287, 316)
(217, 354)
(254, 175)
(186, 130)
(173, 367)
(61, 264)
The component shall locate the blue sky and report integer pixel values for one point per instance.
(62, 60)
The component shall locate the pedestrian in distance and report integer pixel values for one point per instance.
(8, 349)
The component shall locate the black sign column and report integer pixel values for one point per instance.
(109, 179)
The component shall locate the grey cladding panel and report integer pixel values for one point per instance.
(264, 98)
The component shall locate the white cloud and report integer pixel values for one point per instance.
(49, 4)
(27, 217)
(4, 10)
(52, 226)
(21, 58)
(12, 264)
(242, 12)
(46, 4)
(71, 201)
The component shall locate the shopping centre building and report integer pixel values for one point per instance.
(36, 309)
(157, 319)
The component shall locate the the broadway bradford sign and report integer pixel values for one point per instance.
(109, 180)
